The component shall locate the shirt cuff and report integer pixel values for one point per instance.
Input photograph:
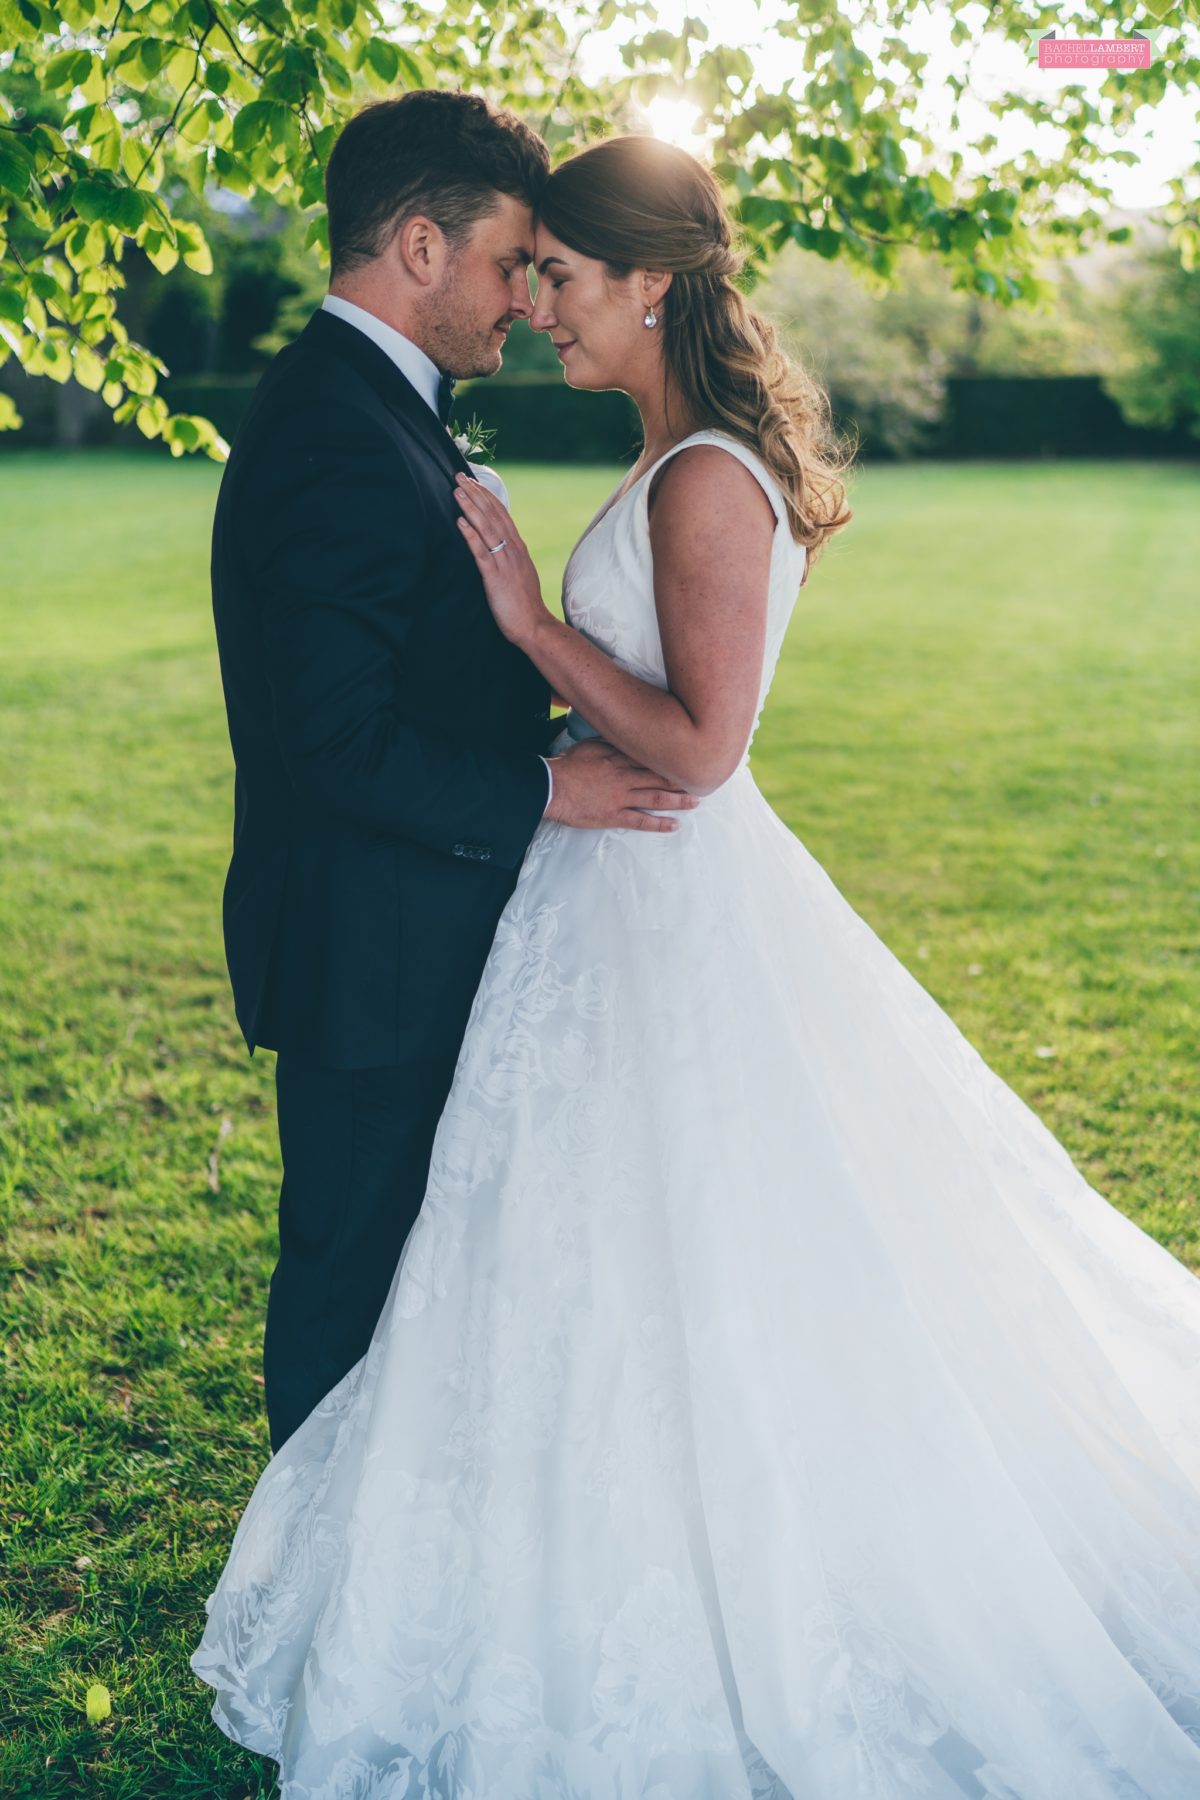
(550, 795)
(491, 479)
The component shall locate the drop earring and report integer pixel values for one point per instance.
(651, 318)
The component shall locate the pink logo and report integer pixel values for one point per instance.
(1132, 52)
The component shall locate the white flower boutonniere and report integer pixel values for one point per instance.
(474, 440)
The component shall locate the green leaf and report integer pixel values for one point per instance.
(10, 418)
(250, 125)
(383, 62)
(760, 211)
(193, 124)
(15, 169)
(128, 210)
(199, 258)
(63, 72)
(312, 187)
(231, 173)
(412, 71)
(43, 140)
(964, 232)
(109, 203)
(152, 54)
(891, 157)
(656, 46)
(193, 246)
(268, 121)
(95, 84)
(835, 153)
(91, 199)
(89, 370)
(181, 68)
(15, 24)
(337, 75)
(12, 305)
(98, 1703)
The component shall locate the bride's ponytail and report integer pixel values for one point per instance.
(634, 202)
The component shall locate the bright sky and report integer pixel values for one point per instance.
(1165, 139)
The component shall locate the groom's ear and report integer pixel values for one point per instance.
(420, 246)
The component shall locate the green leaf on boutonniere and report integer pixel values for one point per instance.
(474, 440)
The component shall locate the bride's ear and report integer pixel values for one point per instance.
(654, 285)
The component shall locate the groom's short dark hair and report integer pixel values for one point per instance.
(443, 154)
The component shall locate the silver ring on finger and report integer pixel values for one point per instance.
(493, 549)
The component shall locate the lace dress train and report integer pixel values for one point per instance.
(764, 1408)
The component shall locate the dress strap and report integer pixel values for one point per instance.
(747, 457)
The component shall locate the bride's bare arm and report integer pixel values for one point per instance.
(711, 529)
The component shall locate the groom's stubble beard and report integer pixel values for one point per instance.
(452, 332)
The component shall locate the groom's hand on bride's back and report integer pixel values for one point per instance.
(598, 787)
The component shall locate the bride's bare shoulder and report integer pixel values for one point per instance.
(705, 488)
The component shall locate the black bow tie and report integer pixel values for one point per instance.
(445, 398)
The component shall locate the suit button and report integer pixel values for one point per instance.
(460, 849)
(485, 856)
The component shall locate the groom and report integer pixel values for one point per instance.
(387, 738)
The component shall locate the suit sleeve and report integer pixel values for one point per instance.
(340, 544)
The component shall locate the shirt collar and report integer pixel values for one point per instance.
(408, 357)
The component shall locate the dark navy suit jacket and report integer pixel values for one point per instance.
(385, 734)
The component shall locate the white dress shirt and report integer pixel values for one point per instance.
(425, 376)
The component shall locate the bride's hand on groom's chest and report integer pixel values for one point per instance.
(510, 580)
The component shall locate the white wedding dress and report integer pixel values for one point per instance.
(764, 1404)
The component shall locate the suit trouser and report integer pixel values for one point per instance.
(356, 1146)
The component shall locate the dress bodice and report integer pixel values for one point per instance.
(608, 587)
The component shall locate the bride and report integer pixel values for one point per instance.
(764, 1404)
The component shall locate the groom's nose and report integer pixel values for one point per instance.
(521, 304)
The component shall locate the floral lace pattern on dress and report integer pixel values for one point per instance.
(764, 1407)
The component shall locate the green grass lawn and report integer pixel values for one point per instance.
(984, 726)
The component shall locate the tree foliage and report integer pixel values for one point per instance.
(148, 104)
(1155, 374)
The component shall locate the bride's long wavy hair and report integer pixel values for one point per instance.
(638, 203)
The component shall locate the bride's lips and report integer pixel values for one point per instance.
(563, 348)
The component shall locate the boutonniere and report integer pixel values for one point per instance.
(474, 440)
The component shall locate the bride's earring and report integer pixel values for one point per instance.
(651, 318)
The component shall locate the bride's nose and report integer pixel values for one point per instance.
(542, 316)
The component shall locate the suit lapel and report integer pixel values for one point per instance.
(393, 387)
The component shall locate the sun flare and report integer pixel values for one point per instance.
(676, 122)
